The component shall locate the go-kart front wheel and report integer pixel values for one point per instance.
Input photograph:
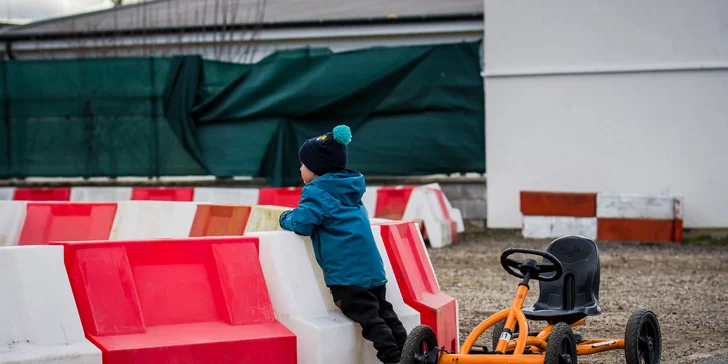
(498, 330)
(561, 345)
(420, 342)
(642, 338)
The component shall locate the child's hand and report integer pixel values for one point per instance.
(283, 216)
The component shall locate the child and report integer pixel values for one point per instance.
(331, 212)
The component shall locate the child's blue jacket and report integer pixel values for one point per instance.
(332, 214)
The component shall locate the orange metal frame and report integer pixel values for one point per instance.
(537, 344)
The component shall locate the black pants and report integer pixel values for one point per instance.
(379, 323)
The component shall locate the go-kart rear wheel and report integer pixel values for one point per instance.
(642, 338)
(419, 342)
(561, 345)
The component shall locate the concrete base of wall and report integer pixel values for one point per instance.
(470, 198)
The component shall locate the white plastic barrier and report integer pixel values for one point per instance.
(543, 227)
(264, 218)
(423, 206)
(100, 194)
(323, 333)
(370, 200)
(227, 196)
(303, 303)
(7, 193)
(40, 322)
(153, 220)
(455, 214)
(12, 216)
(635, 206)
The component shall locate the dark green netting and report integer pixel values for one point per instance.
(413, 111)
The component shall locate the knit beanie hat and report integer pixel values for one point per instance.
(326, 153)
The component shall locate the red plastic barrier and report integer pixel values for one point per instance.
(392, 201)
(286, 197)
(163, 194)
(446, 213)
(417, 281)
(220, 220)
(194, 300)
(42, 194)
(67, 221)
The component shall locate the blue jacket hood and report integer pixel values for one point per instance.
(347, 186)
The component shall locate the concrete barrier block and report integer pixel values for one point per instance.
(543, 227)
(635, 206)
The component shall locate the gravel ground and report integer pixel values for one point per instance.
(686, 285)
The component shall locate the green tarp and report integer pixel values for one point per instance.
(413, 111)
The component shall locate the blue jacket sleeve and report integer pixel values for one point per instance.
(309, 213)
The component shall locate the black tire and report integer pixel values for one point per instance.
(498, 329)
(642, 338)
(561, 345)
(420, 341)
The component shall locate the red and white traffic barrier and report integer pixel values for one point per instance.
(639, 217)
(602, 216)
(433, 212)
(304, 304)
(426, 205)
(150, 276)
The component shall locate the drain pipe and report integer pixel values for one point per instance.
(9, 49)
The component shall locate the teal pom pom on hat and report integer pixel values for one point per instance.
(342, 134)
(326, 153)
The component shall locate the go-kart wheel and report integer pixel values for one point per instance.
(498, 330)
(642, 338)
(419, 343)
(561, 345)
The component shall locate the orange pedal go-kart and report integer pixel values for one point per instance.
(568, 279)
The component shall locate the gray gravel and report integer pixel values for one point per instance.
(686, 285)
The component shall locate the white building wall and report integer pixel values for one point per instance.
(607, 95)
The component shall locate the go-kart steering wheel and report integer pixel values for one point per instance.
(536, 269)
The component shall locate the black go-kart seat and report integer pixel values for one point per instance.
(576, 294)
